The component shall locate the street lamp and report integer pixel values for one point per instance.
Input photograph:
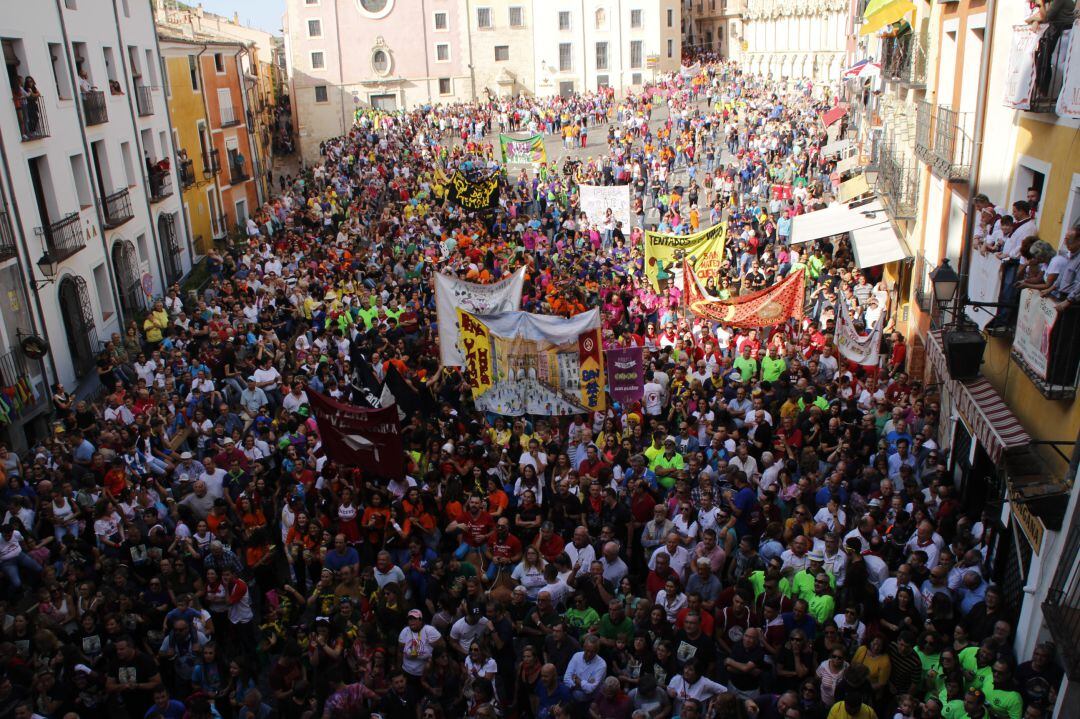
(946, 282)
(48, 268)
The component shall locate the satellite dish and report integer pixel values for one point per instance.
(34, 347)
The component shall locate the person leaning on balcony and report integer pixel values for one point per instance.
(1066, 288)
(1055, 12)
(1044, 265)
(1056, 16)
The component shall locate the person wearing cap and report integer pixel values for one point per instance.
(416, 643)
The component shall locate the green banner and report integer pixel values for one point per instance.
(525, 150)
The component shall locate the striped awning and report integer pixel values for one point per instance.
(982, 408)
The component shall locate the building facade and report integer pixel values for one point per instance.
(795, 39)
(714, 26)
(89, 181)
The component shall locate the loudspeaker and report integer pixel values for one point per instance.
(963, 353)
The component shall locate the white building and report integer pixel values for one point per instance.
(82, 184)
(796, 39)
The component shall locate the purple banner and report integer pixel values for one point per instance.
(626, 373)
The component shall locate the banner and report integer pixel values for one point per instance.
(1034, 323)
(596, 200)
(664, 254)
(858, 348)
(1020, 77)
(525, 150)
(1068, 102)
(359, 437)
(479, 195)
(984, 285)
(626, 373)
(691, 71)
(518, 363)
(765, 308)
(452, 294)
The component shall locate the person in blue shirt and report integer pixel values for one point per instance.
(165, 706)
(551, 691)
(342, 555)
(799, 618)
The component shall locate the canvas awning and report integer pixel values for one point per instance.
(853, 188)
(835, 220)
(833, 114)
(878, 244)
(847, 164)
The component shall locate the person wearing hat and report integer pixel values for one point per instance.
(416, 643)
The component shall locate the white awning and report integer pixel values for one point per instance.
(853, 188)
(838, 147)
(847, 163)
(877, 245)
(835, 220)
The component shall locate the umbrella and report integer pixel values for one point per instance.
(864, 69)
(880, 13)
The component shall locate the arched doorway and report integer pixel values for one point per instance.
(79, 329)
(126, 270)
(170, 247)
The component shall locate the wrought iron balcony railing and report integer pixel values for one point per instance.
(117, 208)
(904, 59)
(1061, 610)
(237, 173)
(33, 122)
(94, 108)
(187, 172)
(171, 247)
(64, 237)
(211, 164)
(144, 100)
(943, 141)
(1048, 84)
(897, 182)
(161, 185)
(7, 236)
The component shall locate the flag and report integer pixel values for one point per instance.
(474, 195)
(860, 349)
(525, 150)
(626, 373)
(358, 436)
(705, 250)
(765, 308)
(366, 387)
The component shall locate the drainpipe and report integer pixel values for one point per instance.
(139, 148)
(341, 74)
(17, 227)
(427, 60)
(99, 202)
(468, 36)
(183, 215)
(622, 65)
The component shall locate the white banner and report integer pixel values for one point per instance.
(691, 71)
(596, 200)
(1068, 103)
(860, 349)
(452, 293)
(1034, 324)
(1020, 80)
(984, 285)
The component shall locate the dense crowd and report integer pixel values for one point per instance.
(769, 533)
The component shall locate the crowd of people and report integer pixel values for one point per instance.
(769, 533)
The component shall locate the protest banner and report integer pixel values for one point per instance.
(359, 437)
(626, 373)
(765, 308)
(596, 200)
(863, 349)
(703, 250)
(1034, 324)
(524, 150)
(452, 294)
(474, 195)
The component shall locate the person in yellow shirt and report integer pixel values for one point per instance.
(155, 324)
(852, 707)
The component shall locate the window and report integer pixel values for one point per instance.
(635, 18)
(193, 70)
(219, 63)
(444, 86)
(637, 48)
(601, 18)
(517, 17)
(318, 61)
(566, 57)
(320, 94)
(720, 32)
(670, 17)
(442, 52)
(82, 182)
(441, 22)
(564, 20)
(165, 77)
(635, 79)
(129, 165)
(60, 76)
(70, 5)
(483, 18)
(380, 62)
(603, 81)
(314, 28)
(670, 48)
(127, 10)
(502, 53)
(311, 2)
(601, 56)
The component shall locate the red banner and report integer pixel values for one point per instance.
(359, 437)
(764, 308)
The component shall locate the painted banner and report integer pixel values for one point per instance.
(1034, 324)
(474, 195)
(452, 294)
(664, 254)
(524, 150)
(858, 348)
(626, 373)
(984, 285)
(596, 200)
(1020, 77)
(359, 437)
(519, 363)
(765, 308)
(1068, 102)
(691, 71)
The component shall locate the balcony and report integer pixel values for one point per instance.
(943, 141)
(117, 208)
(897, 182)
(211, 164)
(904, 60)
(13, 367)
(237, 173)
(94, 109)
(1061, 610)
(229, 117)
(1047, 86)
(64, 237)
(144, 100)
(161, 185)
(33, 123)
(170, 245)
(187, 172)
(7, 237)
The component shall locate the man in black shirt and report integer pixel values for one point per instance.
(401, 702)
(746, 663)
(131, 678)
(692, 643)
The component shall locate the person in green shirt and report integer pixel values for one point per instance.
(745, 365)
(802, 584)
(1002, 699)
(655, 449)
(772, 365)
(978, 663)
(666, 466)
(581, 617)
(615, 624)
(951, 697)
(821, 605)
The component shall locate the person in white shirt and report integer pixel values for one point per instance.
(214, 478)
(417, 641)
(586, 670)
(679, 557)
(691, 685)
(581, 551)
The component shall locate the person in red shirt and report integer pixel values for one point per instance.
(593, 464)
(503, 549)
(660, 574)
(475, 525)
(548, 543)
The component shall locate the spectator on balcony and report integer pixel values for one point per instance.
(18, 95)
(114, 88)
(84, 82)
(33, 113)
(1044, 266)
(1066, 288)
(1057, 16)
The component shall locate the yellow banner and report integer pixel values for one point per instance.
(703, 250)
(476, 346)
(591, 366)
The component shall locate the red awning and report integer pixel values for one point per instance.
(980, 405)
(833, 114)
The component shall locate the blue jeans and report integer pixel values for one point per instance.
(11, 567)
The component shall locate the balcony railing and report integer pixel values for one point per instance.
(160, 185)
(943, 141)
(1061, 610)
(897, 182)
(904, 60)
(7, 237)
(64, 237)
(171, 248)
(211, 164)
(33, 123)
(1047, 86)
(237, 173)
(94, 108)
(117, 208)
(228, 116)
(187, 172)
(144, 100)
(14, 367)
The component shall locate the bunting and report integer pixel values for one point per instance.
(765, 308)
